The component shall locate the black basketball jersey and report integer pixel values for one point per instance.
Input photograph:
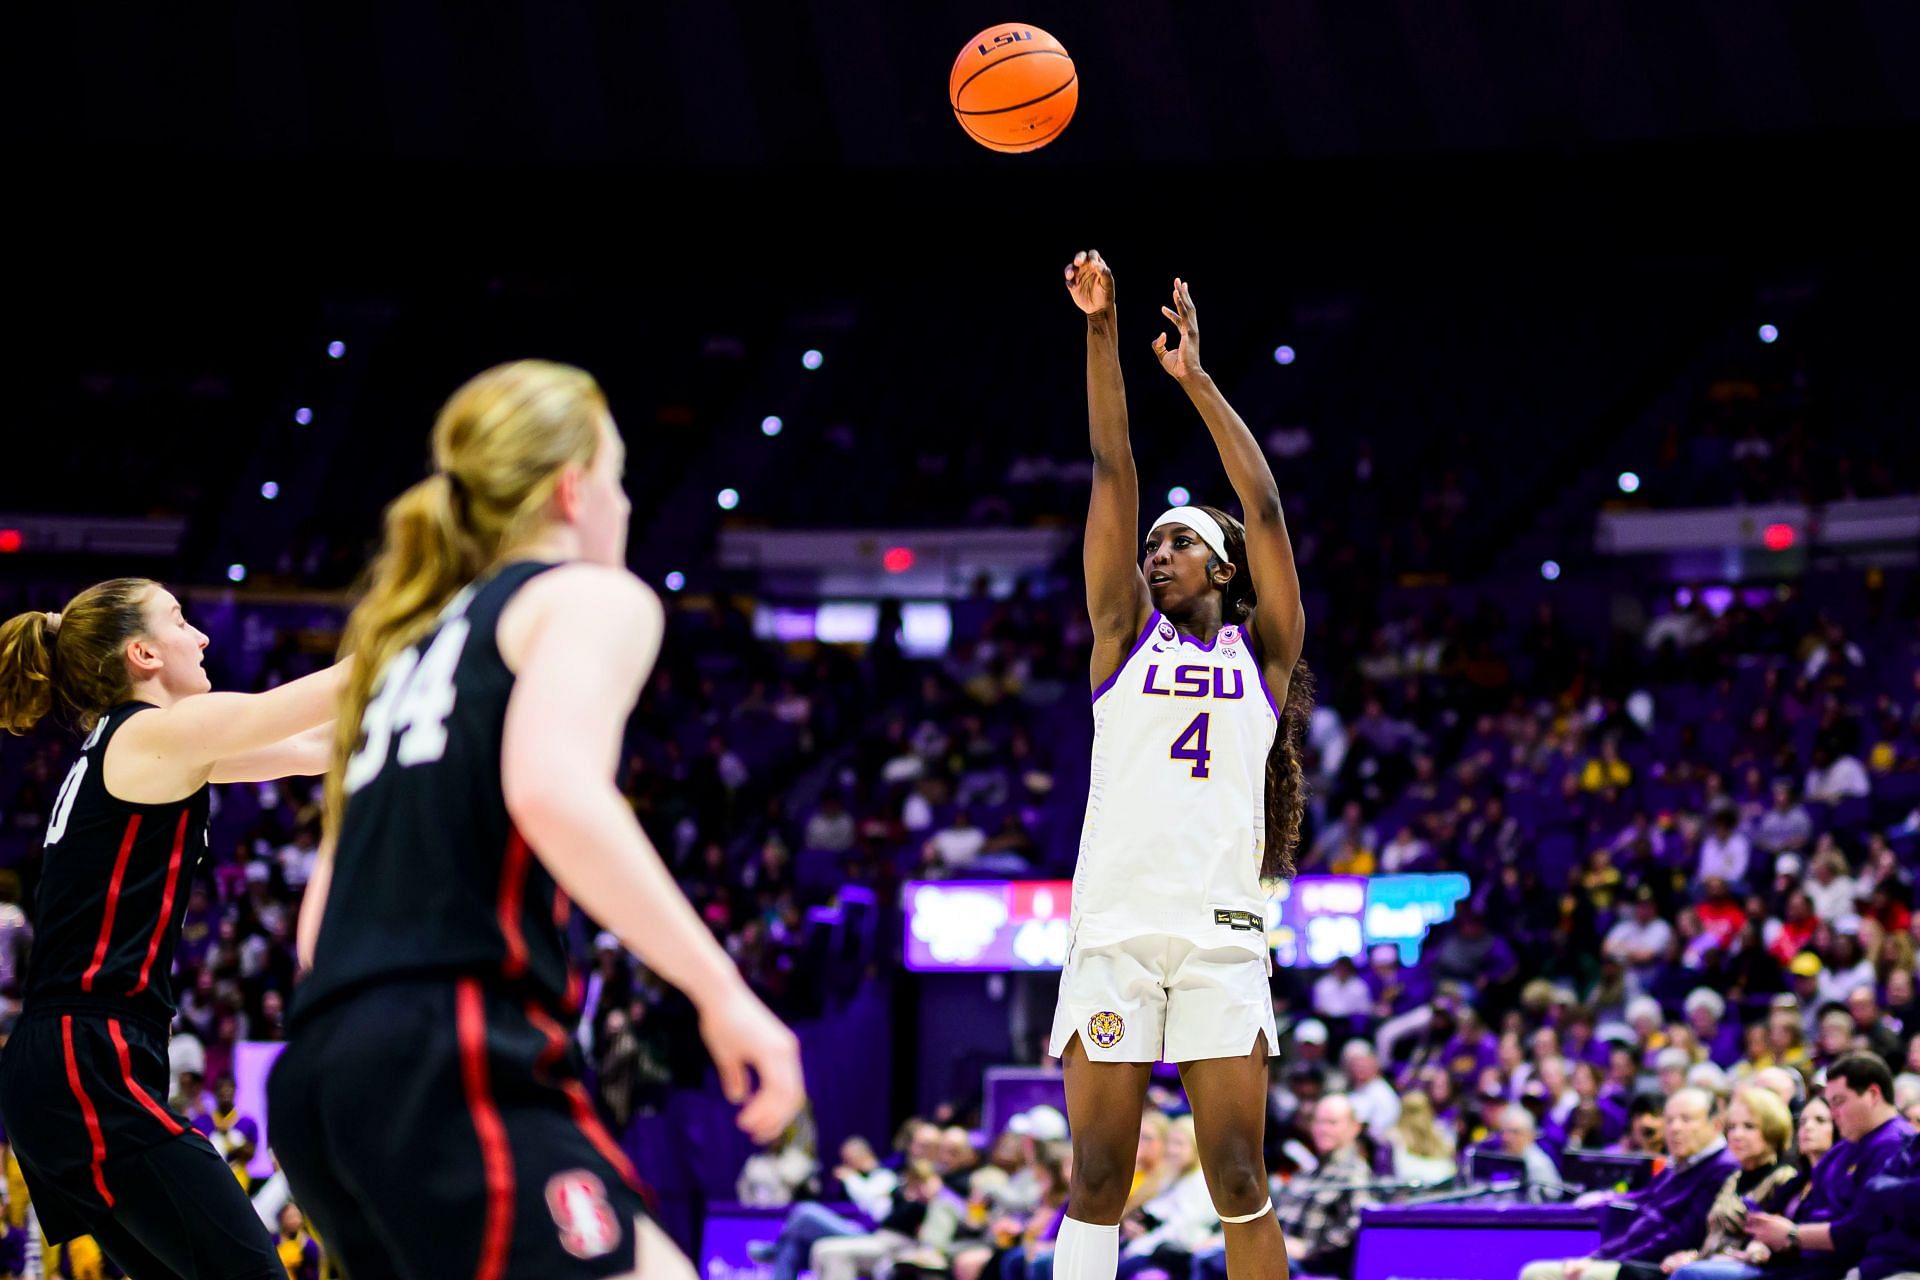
(430, 879)
(113, 890)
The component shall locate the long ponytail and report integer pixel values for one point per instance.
(73, 662)
(1286, 786)
(499, 445)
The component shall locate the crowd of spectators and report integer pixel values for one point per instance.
(1692, 853)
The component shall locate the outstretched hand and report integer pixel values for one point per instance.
(1183, 361)
(1090, 281)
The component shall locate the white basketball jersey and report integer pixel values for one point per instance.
(1176, 809)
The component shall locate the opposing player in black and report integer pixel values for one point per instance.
(83, 1082)
(502, 647)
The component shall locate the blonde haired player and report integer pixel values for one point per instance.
(83, 1082)
(502, 645)
(1199, 703)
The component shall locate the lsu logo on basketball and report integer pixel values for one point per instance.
(578, 1202)
(1106, 1029)
(1003, 39)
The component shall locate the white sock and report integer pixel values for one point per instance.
(1086, 1251)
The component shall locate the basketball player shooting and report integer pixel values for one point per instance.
(1199, 705)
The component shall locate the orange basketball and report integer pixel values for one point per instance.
(1013, 88)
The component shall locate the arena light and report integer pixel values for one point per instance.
(676, 580)
(1778, 537)
(270, 490)
(1177, 496)
(771, 425)
(728, 499)
(1629, 482)
(898, 559)
(236, 573)
(1550, 570)
(1769, 334)
(303, 415)
(336, 349)
(812, 360)
(11, 540)
(1283, 354)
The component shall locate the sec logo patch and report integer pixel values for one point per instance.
(1106, 1029)
(1166, 629)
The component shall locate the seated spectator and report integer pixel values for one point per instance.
(1352, 858)
(1405, 852)
(1725, 853)
(1670, 1213)
(1606, 769)
(773, 1176)
(1860, 1094)
(1369, 1096)
(872, 1187)
(1759, 1128)
(925, 1214)
(1870, 1025)
(1640, 942)
(1168, 1228)
(1834, 778)
(1786, 827)
(299, 1251)
(1421, 1152)
(1520, 1137)
(958, 1161)
(1881, 1235)
(1848, 966)
(1320, 1212)
(864, 1180)
(1783, 1083)
(1829, 887)
(233, 1135)
(956, 846)
(1341, 992)
(1706, 1011)
(1020, 1245)
(1813, 1140)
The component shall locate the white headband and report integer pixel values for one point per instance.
(1201, 523)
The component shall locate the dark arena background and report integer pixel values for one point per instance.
(1580, 337)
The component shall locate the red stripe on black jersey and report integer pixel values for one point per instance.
(95, 1136)
(513, 892)
(495, 1155)
(584, 1117)
(166, 904)
(134, 1087)
(113, 903)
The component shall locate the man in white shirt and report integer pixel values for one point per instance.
(1519, 1136)
(1402, 851)
(1836, 778)
(954, 847)
(1725, 854)
(1375, 1104)
(1831, 889)
(1342, 992)
(1787, 827)
(1640, 941)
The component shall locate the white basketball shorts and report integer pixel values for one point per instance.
(1157, 997)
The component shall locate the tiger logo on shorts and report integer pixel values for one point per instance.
(1106, 1029)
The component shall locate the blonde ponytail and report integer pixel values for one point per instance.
(26, 671)
(73, 661)
(499, 446)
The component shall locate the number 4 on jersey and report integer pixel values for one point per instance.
(416, 695)
(1192, 745)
